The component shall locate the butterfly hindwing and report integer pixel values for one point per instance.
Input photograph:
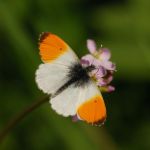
(85, 101)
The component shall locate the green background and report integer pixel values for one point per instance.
(123, 26)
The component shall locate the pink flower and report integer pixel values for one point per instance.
(108, 88)
(101, 82)
(105, 54)
(87, 60)
(111, 88)
(91, 45)
(98, 58)
(99, 72)
(103, 67)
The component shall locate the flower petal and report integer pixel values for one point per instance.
(110, 88)
(84, 63)
(88, 59)
(107, 88)
(109, 79)
(91, 45)
(101, 82)
(104, 54)
(96, 63)
(101, 72)
(98, 73)
(108, 65)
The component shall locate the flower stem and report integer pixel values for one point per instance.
(16, 119)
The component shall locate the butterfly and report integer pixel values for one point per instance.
(72, 91)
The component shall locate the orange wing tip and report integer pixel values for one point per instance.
(51, 46)
(93, 111)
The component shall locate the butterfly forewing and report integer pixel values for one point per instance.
(57, 57)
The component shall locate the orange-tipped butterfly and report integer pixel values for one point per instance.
(61, 75)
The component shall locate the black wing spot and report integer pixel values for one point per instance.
(43, 36)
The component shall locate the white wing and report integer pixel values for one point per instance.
(51, 77)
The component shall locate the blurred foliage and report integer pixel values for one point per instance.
(123, 26)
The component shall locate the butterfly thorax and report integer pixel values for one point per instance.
(77, 76)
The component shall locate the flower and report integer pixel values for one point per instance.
(91, 45)
(103, 67)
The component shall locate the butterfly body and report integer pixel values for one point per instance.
(72, 90)
(77, 75)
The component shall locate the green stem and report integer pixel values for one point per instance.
(16, 119)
